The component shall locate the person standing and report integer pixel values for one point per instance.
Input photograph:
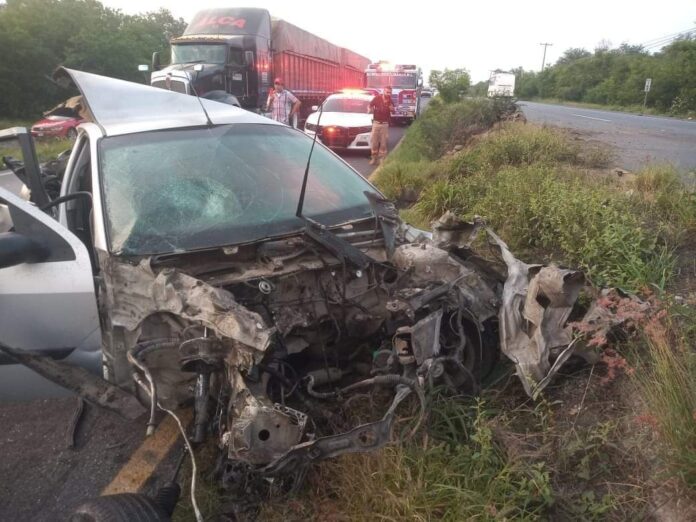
(381, 108)
(282, 104)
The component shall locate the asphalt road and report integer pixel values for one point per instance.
(360, 161)
(9, 181)
(638, 139)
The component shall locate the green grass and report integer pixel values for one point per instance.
(9, 123)
(455, 471)
(541, 192)
(46, 149)
(667, 385)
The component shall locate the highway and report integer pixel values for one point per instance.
(637, 139)
(360, 161)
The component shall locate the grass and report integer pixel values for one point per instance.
(455, 471)
(543, 194)
(667, 385)
(46, 149)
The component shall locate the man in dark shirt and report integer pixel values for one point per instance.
(381, 108)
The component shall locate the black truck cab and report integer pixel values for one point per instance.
(228, 50)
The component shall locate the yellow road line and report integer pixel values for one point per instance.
(147, 457)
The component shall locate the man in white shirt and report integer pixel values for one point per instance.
(282, 104)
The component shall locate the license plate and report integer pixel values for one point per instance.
(39, 134)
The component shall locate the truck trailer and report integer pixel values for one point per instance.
(501, 84)
(239, 51)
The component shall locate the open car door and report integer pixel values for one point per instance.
(47, 298)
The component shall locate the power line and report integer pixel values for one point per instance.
(673, 35)
(543, 60)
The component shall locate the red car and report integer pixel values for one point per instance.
(56, 126)
(61, 121)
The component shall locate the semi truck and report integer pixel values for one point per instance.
(239, 51)
(501, 84)
(406, 82)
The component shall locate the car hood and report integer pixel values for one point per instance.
(46, 121)
(342, 119)
(121, 107)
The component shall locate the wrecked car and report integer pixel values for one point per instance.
(200, 254)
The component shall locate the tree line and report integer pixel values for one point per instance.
(36, 36)
(617, 77)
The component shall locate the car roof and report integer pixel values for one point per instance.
(123, 107)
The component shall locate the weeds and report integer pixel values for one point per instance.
(455, 472)
(667, 384)
(46, 149)
(532, 185)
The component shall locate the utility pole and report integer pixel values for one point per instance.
(543, 60)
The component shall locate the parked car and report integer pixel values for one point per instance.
(426, 93)
(61, 121)
(343, 121)
(56, 127)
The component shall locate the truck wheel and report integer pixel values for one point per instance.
(124, 507)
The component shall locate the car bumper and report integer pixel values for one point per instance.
(359, 142)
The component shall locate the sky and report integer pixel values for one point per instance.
(477, 36)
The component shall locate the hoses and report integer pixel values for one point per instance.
(194, 468)
(133, 355)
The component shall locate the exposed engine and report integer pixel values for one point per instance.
(270, 341)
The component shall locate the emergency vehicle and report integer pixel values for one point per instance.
(406, 82)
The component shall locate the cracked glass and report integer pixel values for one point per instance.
(180, 190)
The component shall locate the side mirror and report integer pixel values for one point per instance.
(249, 58)
(16, 249)
(143, 67)
(156, 61)
(315, 108)
(198, 67)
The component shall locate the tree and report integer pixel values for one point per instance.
(37, 36)
(573, 54)
(433, 77)
(452, 84)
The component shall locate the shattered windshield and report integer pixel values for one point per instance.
(176, 190)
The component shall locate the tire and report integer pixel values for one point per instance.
(72, 133)
(124, 507)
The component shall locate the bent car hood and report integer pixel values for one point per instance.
(122, 107)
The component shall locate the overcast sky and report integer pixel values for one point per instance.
(478, 36)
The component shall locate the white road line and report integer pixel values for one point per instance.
(589, 117)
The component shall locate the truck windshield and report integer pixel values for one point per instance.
(177, 190)
(346, 105)
(202, 53)
(402, 81)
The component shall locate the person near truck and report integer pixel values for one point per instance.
(381, 108)
(282, 104)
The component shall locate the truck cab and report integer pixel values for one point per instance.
(221, 51)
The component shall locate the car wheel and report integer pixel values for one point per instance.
(72, 133)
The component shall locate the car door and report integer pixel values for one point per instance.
(47, 297)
